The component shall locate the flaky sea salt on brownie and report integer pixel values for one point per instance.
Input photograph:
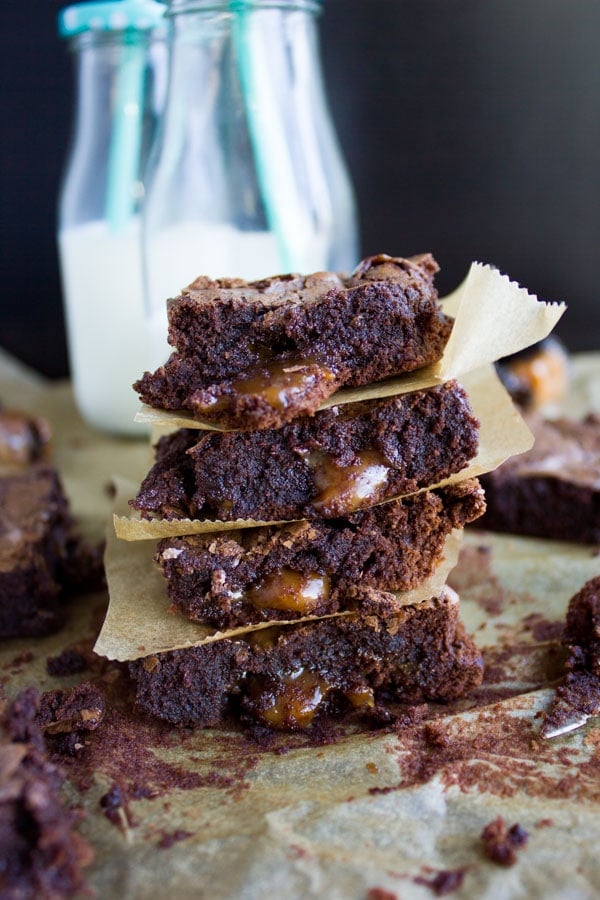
(284, 676)
(331, 464)
(553, 490)
(258, 354)
(39, 553)
(314, 568)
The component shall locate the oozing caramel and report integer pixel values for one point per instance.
(276, 382)
(289, 590)
(287, 703)
(361, 698)
(291, 702)
(344, 489)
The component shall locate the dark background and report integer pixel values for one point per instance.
(471, 129)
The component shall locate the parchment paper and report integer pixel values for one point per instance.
(372, 811)
(137, 623)
(493, 317)
(503, 433)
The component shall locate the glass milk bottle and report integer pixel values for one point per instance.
(246, 178)
(120, 75)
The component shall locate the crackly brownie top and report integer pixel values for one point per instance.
(254, 355)
(414, 272)
(31, 505)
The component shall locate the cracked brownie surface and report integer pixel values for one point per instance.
(254, 355)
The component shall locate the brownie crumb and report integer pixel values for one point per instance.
(66, 716)
(501, 843)
(377, 893)
(68, 662)
(115, 808)
(42, 854)
(444, 882)
(170, 838)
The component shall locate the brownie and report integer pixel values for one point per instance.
(328, 465)
(24, 439)
(501, 843)
(578, 697)
(39, 552)
(553, 490)
(283, 676)
(258, 354)
(313, 568)
(41, 854)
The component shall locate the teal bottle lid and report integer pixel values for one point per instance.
(116, 15)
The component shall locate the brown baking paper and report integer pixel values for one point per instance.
(137, 622)
(503, 433)
(493, 317)
(213, 813)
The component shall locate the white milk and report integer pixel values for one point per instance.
(113, 336)
(109, 346)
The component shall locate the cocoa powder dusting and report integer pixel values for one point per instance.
(542, 629)
(173, 837)
(496, 753)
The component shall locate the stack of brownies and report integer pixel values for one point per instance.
(313, 573)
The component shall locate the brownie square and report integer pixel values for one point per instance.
(254, 355)
(284, 676)
(553, 490)
(39, 553)
(41, 854)
(314, 568)
(325, 466)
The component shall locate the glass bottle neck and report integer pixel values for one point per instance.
(236, 6)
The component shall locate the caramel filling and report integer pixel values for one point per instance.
(344, 489)
(361, 699)
(289, 703)
(545, 374)
(289, 590)
(277, 382)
